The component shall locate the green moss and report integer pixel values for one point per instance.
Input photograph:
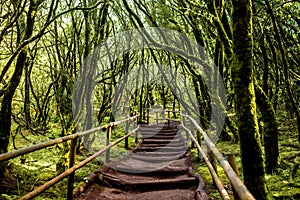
(283, 183)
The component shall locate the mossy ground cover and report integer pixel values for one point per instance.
(283, 183)
(26, 173)
(32, 170)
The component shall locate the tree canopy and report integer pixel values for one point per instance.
(47, 48)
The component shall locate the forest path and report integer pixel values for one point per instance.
(159, 168)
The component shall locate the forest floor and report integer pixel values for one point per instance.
(32, 170)
(284, 182)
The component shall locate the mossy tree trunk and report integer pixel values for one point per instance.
(27, 94)
(9, 91)
(251, 150)
(270, 129)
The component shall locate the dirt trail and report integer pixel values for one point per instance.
(159, 168)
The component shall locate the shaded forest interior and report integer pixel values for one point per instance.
(232, 65)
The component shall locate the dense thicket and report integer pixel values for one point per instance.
(254, 44)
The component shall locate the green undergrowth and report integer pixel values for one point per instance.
(32, 170)
(28, 172)
(283, 183)
(201, 169)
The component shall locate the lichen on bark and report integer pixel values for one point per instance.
(242, 66)
(270, 129)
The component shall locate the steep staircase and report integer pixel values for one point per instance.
(159, 168)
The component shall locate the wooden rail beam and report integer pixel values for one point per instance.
(217, 181)
(72, 157)
(236, 182)
(25, 150)
(108, 135)
(58, 178)
(126, 132)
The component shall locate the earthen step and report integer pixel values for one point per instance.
(159, 141)
(156, 130)
(161, 148)
(159, 153)
(160, 136)
(105, 193)
(132, 183)
(166, 172)
(159, 168)
(153, 159)
(137, 166)
(165, 125)
(168, 134)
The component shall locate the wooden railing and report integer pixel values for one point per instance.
(71, 171)
(167, 118)
(214, 174)
(239, 188)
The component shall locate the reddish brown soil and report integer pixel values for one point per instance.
(159, 169)
(98, 192)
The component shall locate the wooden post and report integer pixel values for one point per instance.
(213, 162)
(192, 144)
(156, 115)
(211, 156)
(199, 142)
(192, 141)
(232, 162)
(187, 135)
(134, 124)
(72, 157)
(136, 134)
(148, 116)
(168, 117)
(108, 134)
(126, 132)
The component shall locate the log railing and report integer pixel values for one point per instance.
(25, 150)
(71, 171)
(167, 118)
(240, 189)
(214, 174)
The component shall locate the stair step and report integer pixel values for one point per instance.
(160, 136)
(142, 184)
(155, 158)
(161, 125)
(138, 166)
(154, 171)
(156, 130)
(159, 166)
(160, 141)
(159, 153)
(161, 148)
(106, 193)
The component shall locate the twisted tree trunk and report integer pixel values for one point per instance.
(270, 129)
(242, 71)
(9, 91)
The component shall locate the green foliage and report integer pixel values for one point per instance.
(55, 54)
(283, 183)
(9, 197)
